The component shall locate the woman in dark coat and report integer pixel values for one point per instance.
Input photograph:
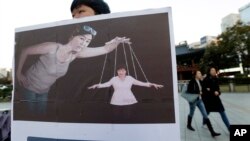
(195, 87)
(211, 95)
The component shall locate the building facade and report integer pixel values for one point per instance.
(6, 74)
(3, 73)
(229, 21)
(187, 60)
(245, 14)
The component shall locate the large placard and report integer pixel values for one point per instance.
(104, 78)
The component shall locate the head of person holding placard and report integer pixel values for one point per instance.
(84, 8)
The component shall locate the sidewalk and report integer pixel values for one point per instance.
(237, 107)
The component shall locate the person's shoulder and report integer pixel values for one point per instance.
(206, 78)
(54, 46)
(130, 77)
(50, 44)
(114, 78)
(192, 80)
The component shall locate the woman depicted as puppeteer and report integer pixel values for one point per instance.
(53, 63)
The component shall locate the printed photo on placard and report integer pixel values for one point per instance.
(107, 71)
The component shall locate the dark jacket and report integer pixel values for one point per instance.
(193, 87)
(211, 101)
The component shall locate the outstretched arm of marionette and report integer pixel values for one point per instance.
(140, 83)
(33, 50)
(146, 84)
(108, 47)
(101, 85)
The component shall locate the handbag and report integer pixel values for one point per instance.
(188, 96)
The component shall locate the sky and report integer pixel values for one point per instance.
(192, 19)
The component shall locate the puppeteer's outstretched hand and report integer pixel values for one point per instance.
(118, 40)
(111, 45)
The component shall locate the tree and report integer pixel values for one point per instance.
(236, 40)
(217, 57)
(225, 53)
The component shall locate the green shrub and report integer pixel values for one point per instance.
(243, 80)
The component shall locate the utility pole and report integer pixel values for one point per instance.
(240, 64)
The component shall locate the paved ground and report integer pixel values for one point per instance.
(237, 108)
